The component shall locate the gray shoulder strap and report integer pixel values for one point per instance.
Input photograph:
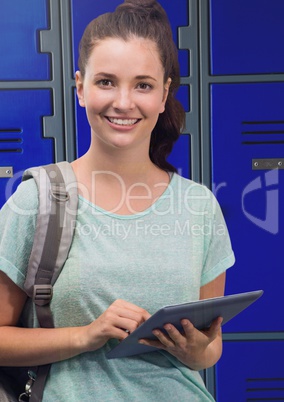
(56, 219)
(58, 201)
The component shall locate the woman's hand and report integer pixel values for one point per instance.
(38, 346)
(196, 349)
(120, 319)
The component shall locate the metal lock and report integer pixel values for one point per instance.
(268, 163)
(6, 171)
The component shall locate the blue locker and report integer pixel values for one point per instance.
(20, 24)
(247, 123)
(247, 36)
(251, 371)
(82, 14)
(21, 136)
(179, 156)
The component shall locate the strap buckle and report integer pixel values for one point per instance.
(59, 193)
(42, 294)
(25, 396)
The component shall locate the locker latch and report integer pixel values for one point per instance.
(268, 164)
(6, 171)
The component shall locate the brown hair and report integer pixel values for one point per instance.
(146, 19)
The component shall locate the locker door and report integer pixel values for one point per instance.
(21, 22)
(250, 372)
(247, 137)
(247, 37)
(247, 124)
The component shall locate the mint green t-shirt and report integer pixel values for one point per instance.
(155, 258)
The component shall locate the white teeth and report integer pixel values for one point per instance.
(123, 122)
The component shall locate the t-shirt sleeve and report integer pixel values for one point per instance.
(218, 255)
(17, 227)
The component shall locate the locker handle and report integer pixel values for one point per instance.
(6, 171)
(268, 163)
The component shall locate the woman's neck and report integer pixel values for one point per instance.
(120, 184)
(131, 166)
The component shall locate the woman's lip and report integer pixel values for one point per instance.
(122, 121)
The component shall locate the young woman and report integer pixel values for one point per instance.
(145, 237)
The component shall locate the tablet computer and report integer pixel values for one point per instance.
(201, 313)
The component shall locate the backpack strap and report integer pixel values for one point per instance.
(57, 211)
(58, 201)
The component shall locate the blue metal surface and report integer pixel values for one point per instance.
(247, 36)
(21, 142)
(20, 22)
(247, 123)
(179, 156)
(251, 371)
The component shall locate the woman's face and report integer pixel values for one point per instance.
(123, 91)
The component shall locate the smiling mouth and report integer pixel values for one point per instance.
(122, 122)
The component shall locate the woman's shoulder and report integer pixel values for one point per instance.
(17, 226)
(24, 200)
(26, 194)
(194, 196)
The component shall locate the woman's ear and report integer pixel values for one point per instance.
(165, 94)
(80, 88)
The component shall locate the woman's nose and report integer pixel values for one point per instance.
(123, 100)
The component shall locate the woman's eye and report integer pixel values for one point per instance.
(144, 86)
(105, 83)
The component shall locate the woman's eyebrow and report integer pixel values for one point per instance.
(105, 75)
(145, 77)
(113, 76)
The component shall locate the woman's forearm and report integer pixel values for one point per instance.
(38, 346)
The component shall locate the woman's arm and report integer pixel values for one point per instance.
(196, 349)
(38, 346)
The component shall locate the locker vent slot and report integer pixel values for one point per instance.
(263, 132)
(11, 150)
(10, 140)
(261, 142)
(10, 130)
(265, 389)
